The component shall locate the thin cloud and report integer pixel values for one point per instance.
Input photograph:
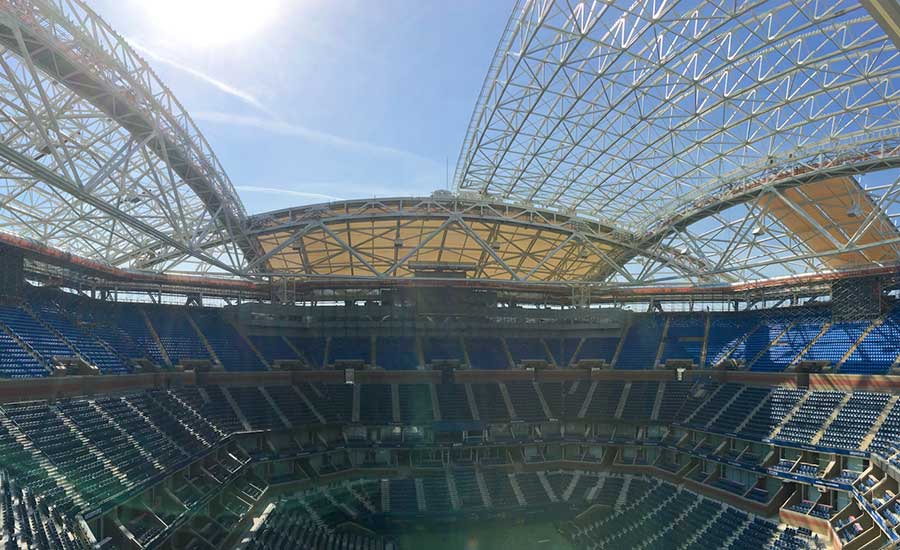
(291, 192)
(288, 129)
(243, 95)
(273, 123)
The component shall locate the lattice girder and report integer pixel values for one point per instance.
(98, 157)
(626, 111)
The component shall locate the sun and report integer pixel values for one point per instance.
(209, 23)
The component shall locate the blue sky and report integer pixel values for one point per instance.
(304, 100)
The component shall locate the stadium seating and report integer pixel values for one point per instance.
(87, 454)
(17, 362)
(787, 345)
(854, 420)
(684, 338)
(395, 353)
(28, 521)
(810, 417)
(729, 337)
(642, 342)
(274, 348)
(523, 349)
(350, 349)
(443, 349)
(176, 334)
(487, 353)
(111, 335)
(598, 348)
(605, 400)
(415, 404)
(740, 408)
(87, 345)
(878, 350)
(525, 401)
(674, 396)
(28, 330)
(641, 399)
(836, 341)
(375, 404)
(773, 411)
(453, 403)
(231, 349)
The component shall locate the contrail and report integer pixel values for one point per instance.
(277, 190)
(243, 95)
(286, 128)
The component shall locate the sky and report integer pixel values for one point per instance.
(307, 101)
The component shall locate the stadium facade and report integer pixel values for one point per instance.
(659, 308)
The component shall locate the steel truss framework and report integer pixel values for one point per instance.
(701, 141)
(97, 156)
(684, 122)
(395, 238)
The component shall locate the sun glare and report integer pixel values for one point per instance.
(210, 23)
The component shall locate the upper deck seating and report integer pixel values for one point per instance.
(878, 350)
(786, 346)
(350, 349)
(87, 345)
(523, 349)
(684, 338)
(176, 334)
(274, 347)
(443, 349)
(396, 353)
(312, 349)
(29, 330)
(230, 347)
(487, 353)
(728, 336)
(641, 344)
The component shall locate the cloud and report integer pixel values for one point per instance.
(285, 128)
(243, 95)
(291, 192)
(272, 123)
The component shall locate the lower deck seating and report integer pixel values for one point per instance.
(854, 420)
(415, 404)
(28, 521)
(115, 445)
(780, 402)
(256, 408)
(467, 488)
(292, 405)
(669, 517)
(810, 417)
(640, 402)
(453, 403)
(525, 401)
(375, 404)
(334, 402)
(437, 494)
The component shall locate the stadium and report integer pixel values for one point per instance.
(657, 309)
